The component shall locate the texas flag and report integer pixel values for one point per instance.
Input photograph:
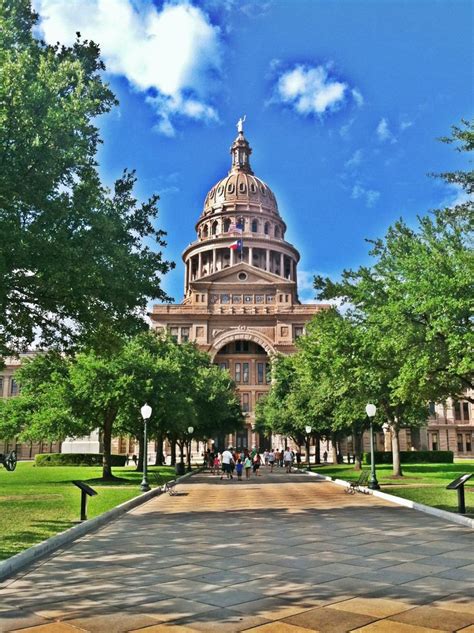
(236, 246)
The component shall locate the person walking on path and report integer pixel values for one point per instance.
(239, 468)
(227, 460)
(288, 459)
(271, 459)
(247, 466)
(257, 460)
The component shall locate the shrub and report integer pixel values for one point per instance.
(76, 459)
(411, 457)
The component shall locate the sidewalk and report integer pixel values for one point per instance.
(281, 553)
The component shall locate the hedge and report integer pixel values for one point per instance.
(76, 459)
(406, 457)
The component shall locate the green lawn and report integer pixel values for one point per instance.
(423, 483)
(36, 503)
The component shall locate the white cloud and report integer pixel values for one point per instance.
(358, 98)
(173, 52)
(370, 196)
(404, 125)
(306, 289)
(355, 159)
(311, 90)
(456, 197)
(384, 133)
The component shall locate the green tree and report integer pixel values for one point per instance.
(72, 254)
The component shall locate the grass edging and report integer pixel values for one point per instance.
(407, 503)
(15, 563)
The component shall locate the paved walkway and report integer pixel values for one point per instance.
(282, 554)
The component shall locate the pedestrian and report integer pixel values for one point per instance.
(127, 459)
(227, 462)
(325, 457)
(265, 457)
(247, 466)
(216, 465)
(277, 457)
(239, 468)
(135, 459)
(257, 460)
(298, 459)
(288, 459)
(271, 459)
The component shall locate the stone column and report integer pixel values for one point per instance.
(199, 272)
(267, 260)
(282, 265)
(214, 259)
(250, 255)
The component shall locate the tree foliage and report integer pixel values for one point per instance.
(72, 396)
(72, 255)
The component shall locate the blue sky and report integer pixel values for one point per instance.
(344, 101)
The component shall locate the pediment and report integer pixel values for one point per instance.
(254, 275)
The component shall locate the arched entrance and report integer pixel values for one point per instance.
(248, 363)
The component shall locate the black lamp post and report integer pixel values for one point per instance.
(146, 413)
(190, 433)
(373, 484)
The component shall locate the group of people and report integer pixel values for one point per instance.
(242, 462)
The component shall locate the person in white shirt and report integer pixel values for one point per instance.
(288, 459)
(227, 459)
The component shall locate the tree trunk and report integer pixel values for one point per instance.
(107, 440)
(334, 448)
(173, 452)
(397, 466)
(317, 448)
(159, 450)
(181, 452)
(357, 449)
(141, 452)
(307, 452)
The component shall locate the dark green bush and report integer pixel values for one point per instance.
(412, 457)
(76, 459)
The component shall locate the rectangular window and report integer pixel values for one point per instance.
(260, 395)
(465, 410)
(468, 443)
(298, 331)
(268, 373)
(457, 410)
(460, 443)
(14, 387)
(237, 370)
(184, 334)
(174, 333)
(224, 364)
(245, 373)
(434, 441)
(260, 373)
(245, 403)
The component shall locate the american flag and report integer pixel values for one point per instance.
(236, 227)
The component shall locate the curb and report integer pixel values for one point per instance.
(17, 562)
(400, 501)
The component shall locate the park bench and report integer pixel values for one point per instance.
(359, 485)
(164, 485)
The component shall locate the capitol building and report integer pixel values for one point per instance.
(240, 285)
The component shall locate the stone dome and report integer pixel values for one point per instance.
(243, 188)
(240, 185)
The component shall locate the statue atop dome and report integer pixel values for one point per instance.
(240, 124)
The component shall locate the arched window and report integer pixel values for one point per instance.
(215, 224)
(205, 231)
(254, 226)
(266, 228)
(226, 225)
